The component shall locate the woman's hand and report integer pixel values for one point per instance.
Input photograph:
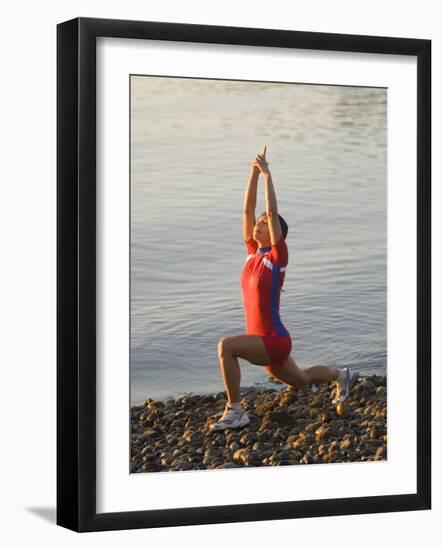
(261, 163)
(254, 168)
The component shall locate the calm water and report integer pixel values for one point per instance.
(192, 144)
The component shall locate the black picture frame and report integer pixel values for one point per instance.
(76, 273)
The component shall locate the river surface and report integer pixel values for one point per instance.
(192, 142)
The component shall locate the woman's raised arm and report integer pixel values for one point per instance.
(248, 213)
(270, 198)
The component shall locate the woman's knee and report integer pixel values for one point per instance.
(224, 346)
(301, 378)
(273, 371)
(292, 376)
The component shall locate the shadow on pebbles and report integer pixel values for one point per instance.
(286, 427)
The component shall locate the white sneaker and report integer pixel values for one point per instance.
(231, 419)
(347, 379)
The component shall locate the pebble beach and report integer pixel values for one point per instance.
(287, 427)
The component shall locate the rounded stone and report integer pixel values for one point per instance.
(341, 409)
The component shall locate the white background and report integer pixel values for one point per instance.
(27, 219)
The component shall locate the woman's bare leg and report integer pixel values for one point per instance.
(292, 375)
(247, 347)
(252, 349)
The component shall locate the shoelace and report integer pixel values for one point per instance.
(228, 414)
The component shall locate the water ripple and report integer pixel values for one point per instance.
(192, 143)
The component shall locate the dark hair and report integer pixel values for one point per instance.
(284, 226)
(284, 229)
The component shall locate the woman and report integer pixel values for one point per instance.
(267, 341)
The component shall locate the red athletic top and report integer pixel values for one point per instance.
(261, 282)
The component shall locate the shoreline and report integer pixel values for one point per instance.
(287, 427)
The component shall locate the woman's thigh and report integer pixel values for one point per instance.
(247, 346)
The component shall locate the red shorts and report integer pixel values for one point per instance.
(278, 348)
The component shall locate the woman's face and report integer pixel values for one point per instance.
(261, 231)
